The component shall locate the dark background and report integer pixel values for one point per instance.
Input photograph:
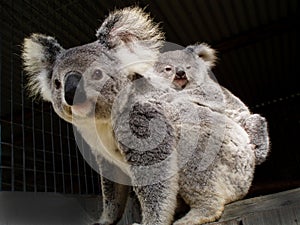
(256, 43)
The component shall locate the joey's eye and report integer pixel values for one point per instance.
(57, 84)
(97, 75)
(168, 68)
(188, 67)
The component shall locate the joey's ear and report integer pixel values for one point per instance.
(133, 35)
(205, 52)
(39, 54)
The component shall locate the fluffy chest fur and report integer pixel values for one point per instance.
(99, 136)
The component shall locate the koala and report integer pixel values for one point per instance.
(189, 71)
(166, 145)
(215, 160)
(83, 82)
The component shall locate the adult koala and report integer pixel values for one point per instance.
(164, 143)
(82, 84)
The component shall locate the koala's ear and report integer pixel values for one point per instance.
(133, 35)
(205, 52)
(129, 25)
(39, 54)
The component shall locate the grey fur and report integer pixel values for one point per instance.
(167, 143)
(127, 36)
(197, 61)
(215, 162)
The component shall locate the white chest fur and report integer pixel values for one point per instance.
(99, 136)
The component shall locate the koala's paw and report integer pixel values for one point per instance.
(192, 221)
(199, 216)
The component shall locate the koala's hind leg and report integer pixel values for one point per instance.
(114, 195)
(257, 129)
(152, 159)
(114, 200)
(158, 202)
(204, 212)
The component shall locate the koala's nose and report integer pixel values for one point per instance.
(180, 73)
(74, 88)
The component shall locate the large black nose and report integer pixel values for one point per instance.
(180, 73)
(74, 88)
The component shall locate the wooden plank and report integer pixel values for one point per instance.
(276, 209)
(270, 217)
(284, 216)
(290, 215)
(258, 204)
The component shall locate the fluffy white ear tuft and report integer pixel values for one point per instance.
(127, 25)
(205, 52)
(39, 54)
(134, 37)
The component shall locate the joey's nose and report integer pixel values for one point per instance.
(74, 88)
(180, 73)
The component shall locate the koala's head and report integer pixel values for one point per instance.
(185, 67)
(84, 81)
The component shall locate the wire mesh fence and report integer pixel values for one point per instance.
(258, 63)
(38, 151)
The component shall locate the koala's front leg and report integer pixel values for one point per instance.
(158, 202)
(149, 148)
(114, 197)
(156, 186)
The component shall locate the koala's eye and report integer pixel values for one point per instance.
(57, 84)
(97, 74)
(168, 68)
(188, 67)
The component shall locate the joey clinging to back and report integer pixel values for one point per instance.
(83, 81)
(188, 71)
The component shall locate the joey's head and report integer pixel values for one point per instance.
(84, 81)
(185, 67)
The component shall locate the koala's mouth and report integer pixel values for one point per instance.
(80, 111)
(84, 109)
(180, 82)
